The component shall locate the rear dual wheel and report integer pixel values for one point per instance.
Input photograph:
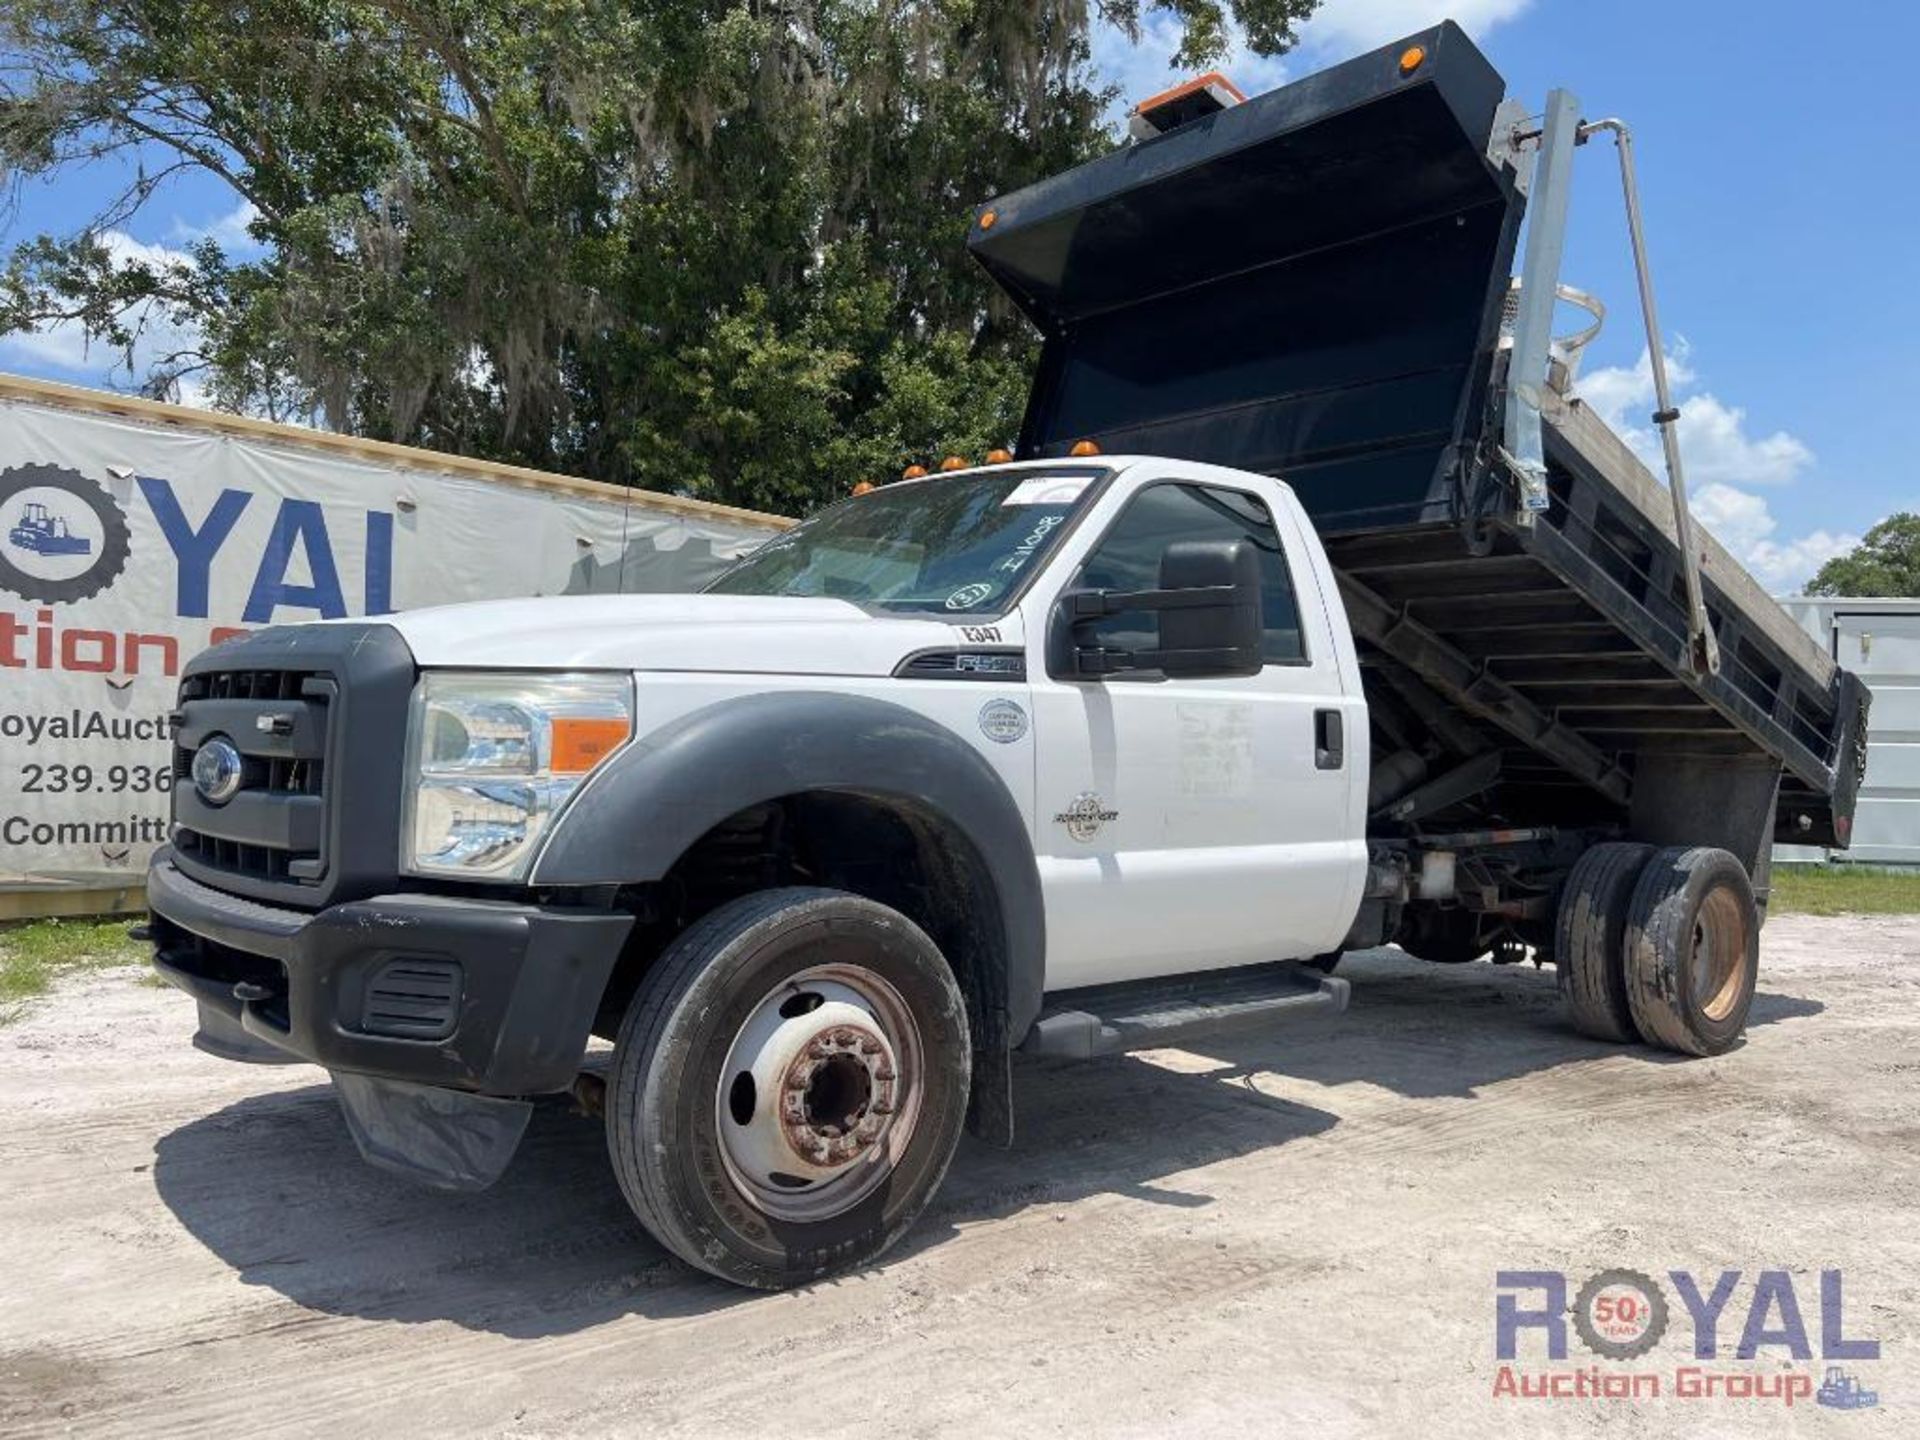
(1590, 937)
(1663, 945)
(1692, 951)
(789, 1086)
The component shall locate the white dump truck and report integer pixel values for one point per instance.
(1311, 614)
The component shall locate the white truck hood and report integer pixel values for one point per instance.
(740, 634)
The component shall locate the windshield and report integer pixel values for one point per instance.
(960, 544)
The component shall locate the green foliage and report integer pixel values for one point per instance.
(1885, 563)
(1843, 890)
(32, 956)
(708, 246)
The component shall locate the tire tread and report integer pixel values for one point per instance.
(659, 993)
(644, 1067)
(1590, 939)
(1664, 904)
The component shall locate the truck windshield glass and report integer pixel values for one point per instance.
(958, 545)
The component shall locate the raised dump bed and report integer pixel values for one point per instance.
(1312, 285)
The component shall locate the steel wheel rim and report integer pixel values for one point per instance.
(820, 1093)
(1718, 960)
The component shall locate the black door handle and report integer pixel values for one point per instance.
(1329, 746)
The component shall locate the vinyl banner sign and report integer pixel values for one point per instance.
(129, 545)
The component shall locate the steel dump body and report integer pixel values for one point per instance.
(1310, 285)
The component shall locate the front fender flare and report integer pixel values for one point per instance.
(647, 805)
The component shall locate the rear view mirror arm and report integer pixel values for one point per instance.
(1095, 661)
(1098, 604)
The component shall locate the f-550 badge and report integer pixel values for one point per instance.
(1084, 817)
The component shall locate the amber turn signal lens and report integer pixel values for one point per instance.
(913, 472)
(999, 457)
(581, 742)
(1412, 58)
(987, 217)
(1084, 447)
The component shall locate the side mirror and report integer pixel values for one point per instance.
(1207, 611)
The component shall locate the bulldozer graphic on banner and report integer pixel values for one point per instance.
(44, 533)
(1841, 1391)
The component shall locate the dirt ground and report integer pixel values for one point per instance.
(1255, 1237)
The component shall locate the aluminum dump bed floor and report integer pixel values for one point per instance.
(1310, 285)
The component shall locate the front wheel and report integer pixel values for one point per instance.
(789, 1086)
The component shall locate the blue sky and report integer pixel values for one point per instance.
(1781, 174)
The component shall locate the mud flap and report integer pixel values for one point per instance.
(990, 1100)
(444, 1138)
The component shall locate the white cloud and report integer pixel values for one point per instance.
(1746, 526)
(60, 349)
(1338, 29)
(1615, 390)
(1721, 458)
(229, 231)
(1713, 435)
(1346, 27)
(1143, 68)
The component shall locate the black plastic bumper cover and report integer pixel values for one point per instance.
(528, 981)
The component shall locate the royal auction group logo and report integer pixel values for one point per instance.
(1621, 1316)
(66, 537)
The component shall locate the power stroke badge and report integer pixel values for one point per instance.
(1084, 817)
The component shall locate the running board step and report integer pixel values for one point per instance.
(1146, 1014)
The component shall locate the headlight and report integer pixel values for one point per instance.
(492, 759)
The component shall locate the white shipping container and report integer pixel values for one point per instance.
(1879, 640)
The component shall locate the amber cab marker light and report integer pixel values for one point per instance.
(987, 217)
(1412, 58)
(864, 487)
(914, 472)
(1186, 102)
(953, 462)
(1083, 448)
(999, 457)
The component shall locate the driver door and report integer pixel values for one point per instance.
(1185, 824)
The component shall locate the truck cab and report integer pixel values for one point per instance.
(1186, 812)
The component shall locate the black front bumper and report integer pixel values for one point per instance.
(484, 996)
